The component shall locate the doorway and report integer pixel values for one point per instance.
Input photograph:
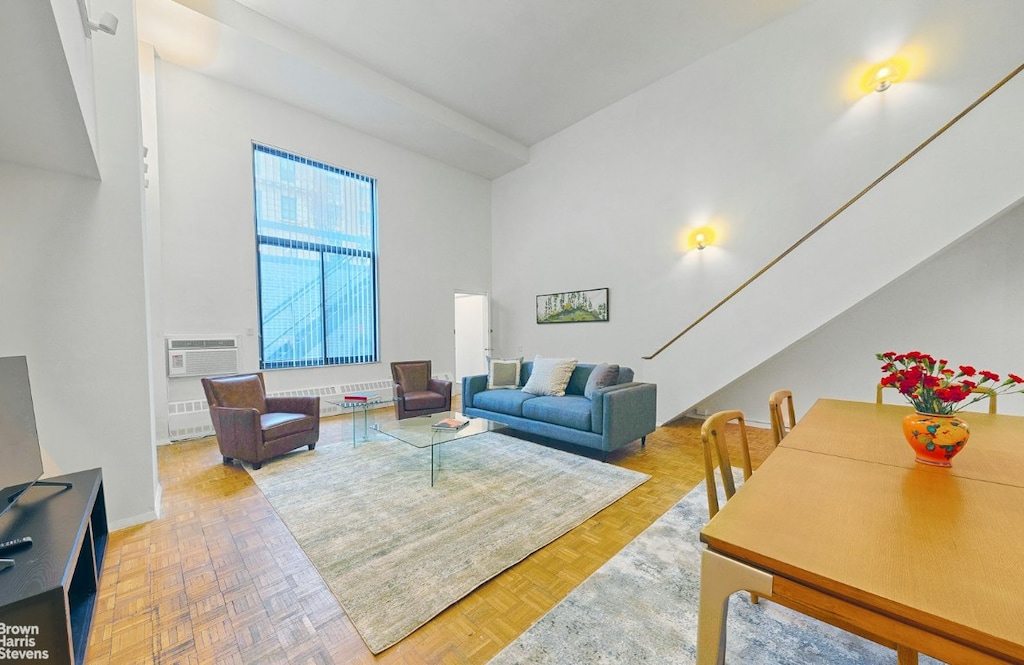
(472, 335)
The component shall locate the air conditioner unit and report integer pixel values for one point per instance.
(202, 357)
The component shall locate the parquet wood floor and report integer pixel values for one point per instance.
(218, 578)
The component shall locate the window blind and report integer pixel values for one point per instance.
(316, 239)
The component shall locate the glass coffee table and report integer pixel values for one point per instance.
(420, 433)
(355, 406)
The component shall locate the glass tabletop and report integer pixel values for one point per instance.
(420, 431)
(339, 400)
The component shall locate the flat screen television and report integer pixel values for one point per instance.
(21, 462)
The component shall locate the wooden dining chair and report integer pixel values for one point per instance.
(782, 421)
(713, 443)
(992, 394)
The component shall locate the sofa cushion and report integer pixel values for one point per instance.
(277, 425)
(578, 380)
(502, 400)
(550, 376)
(568, 411)
(602, 376)
(503, 372)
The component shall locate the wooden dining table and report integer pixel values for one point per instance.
(841, 523)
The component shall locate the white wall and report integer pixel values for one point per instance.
(433, 220)
(764, 138)
(72, 288)
(964, 305)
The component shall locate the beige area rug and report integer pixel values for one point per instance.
(396, 551)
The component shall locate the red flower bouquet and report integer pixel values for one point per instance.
(933, 387)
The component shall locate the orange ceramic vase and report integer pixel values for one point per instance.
(934, 438)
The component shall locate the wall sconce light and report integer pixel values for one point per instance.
(702, 237)
(880, 77)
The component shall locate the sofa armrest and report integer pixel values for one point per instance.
(471, 385)
(309, 406)
(626, 411)
(238, 431)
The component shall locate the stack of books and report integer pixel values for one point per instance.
(450, 424)
(359, 397)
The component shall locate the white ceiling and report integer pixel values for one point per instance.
(473, 83)
(526, 68)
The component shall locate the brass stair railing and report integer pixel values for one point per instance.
(841, 208)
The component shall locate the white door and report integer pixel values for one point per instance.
(472, 336)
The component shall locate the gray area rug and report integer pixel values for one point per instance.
(641, 607)
(396, 551)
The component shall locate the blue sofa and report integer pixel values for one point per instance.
(618, 414)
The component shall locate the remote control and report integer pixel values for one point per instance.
(16, 544)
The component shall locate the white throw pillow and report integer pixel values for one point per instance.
(550, 376)
(503, 372)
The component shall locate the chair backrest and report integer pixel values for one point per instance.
(980, 390)
(412, 375)
(712, 438)
(782, 420)
(242, 391)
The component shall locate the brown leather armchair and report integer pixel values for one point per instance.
(416, 393)
(252, 427)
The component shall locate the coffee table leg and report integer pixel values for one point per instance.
(432, 465)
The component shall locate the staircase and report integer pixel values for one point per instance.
(963, 179)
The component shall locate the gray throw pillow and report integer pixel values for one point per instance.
(503, 372)
(604, 375)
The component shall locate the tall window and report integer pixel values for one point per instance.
(316, 240)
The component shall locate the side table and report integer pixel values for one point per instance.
(364, 406)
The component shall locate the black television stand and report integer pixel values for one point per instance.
(52, 589)
(52, 483)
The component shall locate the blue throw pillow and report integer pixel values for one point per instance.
(602, 376)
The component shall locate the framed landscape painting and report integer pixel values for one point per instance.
(573, 306)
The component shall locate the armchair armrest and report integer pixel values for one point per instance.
(309, 406)
(238, 431)
(440, 386)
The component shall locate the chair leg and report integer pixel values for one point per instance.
(720, 577)
(228, 460)
(312, 446)
(257, 465)
(643, 441)
(905, 655)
